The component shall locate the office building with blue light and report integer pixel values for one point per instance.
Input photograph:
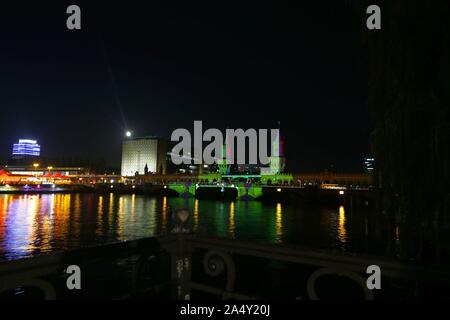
(26, 148)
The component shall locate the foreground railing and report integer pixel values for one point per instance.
(186, 266)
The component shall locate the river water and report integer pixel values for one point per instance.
(34, 224)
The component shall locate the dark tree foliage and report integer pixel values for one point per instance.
(409, 100)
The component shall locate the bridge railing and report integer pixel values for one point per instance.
(187, 266)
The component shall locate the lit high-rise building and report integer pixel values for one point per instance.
(26, 148)
(143, 155)
(369, 164)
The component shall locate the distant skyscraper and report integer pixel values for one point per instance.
(141, 153)
(369, 164)
(26, 148)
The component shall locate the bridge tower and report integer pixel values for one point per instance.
(224, 167)
(277, 160)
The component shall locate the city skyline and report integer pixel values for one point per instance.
(214, 151)
(28, 147)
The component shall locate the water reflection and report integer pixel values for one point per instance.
(22, 228)
(163, 214)
(342, 230)
(33, 224)
(99, 224)
(278, 224)
(231, 224)
(195, 227)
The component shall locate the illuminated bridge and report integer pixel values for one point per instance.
(245, 187)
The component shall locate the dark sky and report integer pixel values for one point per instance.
(228, 64)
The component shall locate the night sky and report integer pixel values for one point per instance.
(152, 68)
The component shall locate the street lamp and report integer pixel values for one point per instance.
(128, 134)
(35, 166)
(49, 168)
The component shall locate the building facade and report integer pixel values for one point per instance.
(144, 155)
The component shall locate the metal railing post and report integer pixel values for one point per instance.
(181, 268)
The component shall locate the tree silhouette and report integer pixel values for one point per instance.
(409, 98)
